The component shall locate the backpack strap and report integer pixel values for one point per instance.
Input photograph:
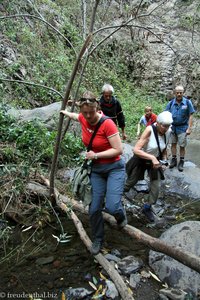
(87, 163)
(89, 147)
(157, 140)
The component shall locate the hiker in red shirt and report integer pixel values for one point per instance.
(147, 119)
(108, 168)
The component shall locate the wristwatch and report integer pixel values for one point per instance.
(95, 156)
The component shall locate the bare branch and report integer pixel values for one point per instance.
(128, 25)
(84, 10)
(33, 84)
(64, 102)
(42, 20)
(150, 13)
(130, 20)
(136, 13)
(35, 8)
(66, 97)
(91, 29)
(76, 94)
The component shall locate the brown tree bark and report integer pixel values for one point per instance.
(66, 97)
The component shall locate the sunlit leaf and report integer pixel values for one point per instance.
(165, 285)
(154, 276)
(104, 251)
(94, 280)
(98, 293)
(26, 229)
(102, 276)
(56, 237)
(97, 296)
(130, 291)
(63, 296)
(92, 285)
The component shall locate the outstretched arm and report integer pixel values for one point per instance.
(71, 115)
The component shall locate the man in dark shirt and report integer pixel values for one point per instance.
(111, 107)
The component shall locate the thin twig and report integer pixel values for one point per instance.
(33, 84)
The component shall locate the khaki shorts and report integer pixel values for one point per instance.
(180, 139)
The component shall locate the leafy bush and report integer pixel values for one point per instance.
(32, 142)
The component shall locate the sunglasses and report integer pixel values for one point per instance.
(86, 100)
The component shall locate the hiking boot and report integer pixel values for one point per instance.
(123, 223)
(147, 211)
(180, 165)
(173, 162)
(96, 247)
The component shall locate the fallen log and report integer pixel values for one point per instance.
(184, 257)
(114, 275)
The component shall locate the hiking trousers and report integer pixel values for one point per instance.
(107, 182)
(154, 185)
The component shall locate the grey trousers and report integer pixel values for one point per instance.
(154, 186)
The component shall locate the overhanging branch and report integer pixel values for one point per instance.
(33, 84)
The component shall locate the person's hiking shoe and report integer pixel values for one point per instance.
(173, 162)
(180, 165)
(147, 211)
(96, 247)
(123, 223)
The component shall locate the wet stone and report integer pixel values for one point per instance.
(142, 186)
(57, 263)
(111, 292)
(134, 280)
(111, 257)
(184, 235)
(44, 260)
(116, 252)
(44, 270)
(163, 297)
(130, 264)
(77, 293)
(50, 285)
(174, 294)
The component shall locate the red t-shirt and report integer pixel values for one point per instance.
(101, 140)
(152, 119)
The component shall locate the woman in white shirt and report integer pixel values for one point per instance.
(148, 155)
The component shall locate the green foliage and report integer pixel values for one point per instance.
(134, 103)
(43, 56)
(33, 143)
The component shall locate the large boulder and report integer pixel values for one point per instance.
(182, 184)
(186, 236)
(46, 114)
